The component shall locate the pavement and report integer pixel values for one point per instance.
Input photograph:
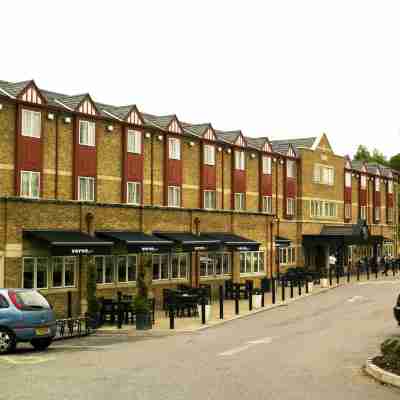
(313, 348)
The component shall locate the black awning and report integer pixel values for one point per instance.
(72, 243)
(234, 242)
(189, 242)
(137, 242)
(281, 241)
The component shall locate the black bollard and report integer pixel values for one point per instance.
(237, 301)
(69, 304)
(119, 309)
(262, 299)
(367, 272)
(307, 289)
(283, 290)
(273, 291)
(393, 270)
(221, 302)
(358, 273)
(337, 276)
(250, 299)
(299, 283)
(203, 311)
(171, 318)
(330, 276)
(348, 274)
(291, 289)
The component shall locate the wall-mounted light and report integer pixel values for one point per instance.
(1, 107)
(219, 149)
(282, 162)
(67, 120)
(274, 160)
(252, 155)
(50, 116)
(159, 137)
(147, 135)
(229, 151)
(110, 128)
(191, 144)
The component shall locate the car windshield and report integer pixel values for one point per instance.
(32, 300)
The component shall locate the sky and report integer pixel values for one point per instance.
(281, 69)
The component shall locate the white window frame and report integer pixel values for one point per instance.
(389, 212)
(209, 154)
(240, 201)
(103, 269)
(323, 209)
(126, 257)
(287, 255)
(250, 266)
(136, 189)
(390, 187)
(363, 181)
(169, 256)
(174, 148)
(377, 185)
(35, 269)
(64, 260)
(240, 163)
(267, 165)
(90, 140)
(92, 182)
(174, 196)
(290, 169)
(324, 174)
(347, 179)
(267, 204)
(30, 175)
(347, 210)
(290, 206)
(210, 199)
(134, 141)
(377, 213)
(363, 212)
(32, 130)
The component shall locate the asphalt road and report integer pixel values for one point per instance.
(312, 349)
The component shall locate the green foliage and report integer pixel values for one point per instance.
(395, 162)
(141, 305)
(391, 347)
(378, 157)
(362, 154)
(93, 305)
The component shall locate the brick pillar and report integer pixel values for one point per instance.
(236, 267)
(146, 262)
(83, 267)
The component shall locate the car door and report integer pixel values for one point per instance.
(9, 317)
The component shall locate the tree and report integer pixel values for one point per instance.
(378, 157)
(395, 162)
(362, 154)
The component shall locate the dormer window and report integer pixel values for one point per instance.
(87, 133)
(239, 160)
(31, 123)
(363, 182)
(174, 149)
(377, 185)
(209, 154)
(390, 187)
(267, 165)
(134, 142)
(290, 169)
(347, 179)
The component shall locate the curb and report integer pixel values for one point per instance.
(381, 375)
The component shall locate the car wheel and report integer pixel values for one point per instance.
(41, 344)
(7, 341)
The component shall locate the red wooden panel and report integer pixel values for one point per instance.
(86, 161)
(134, 167)
(209, 177)
(377, 199)
(347, 195)
(291, 188)
(389, 200)
(266, 185)
(363, 197)
(174, 172)
(30, 153)
(239, 181)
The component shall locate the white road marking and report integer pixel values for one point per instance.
(379, 282)
(25, 360)
(249, 344)
(355, 298)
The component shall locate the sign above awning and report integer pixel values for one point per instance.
(282, 241)
(234, 242)
(190, 242)
(70, 243)
(138, 242)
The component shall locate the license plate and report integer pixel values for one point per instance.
(42, 331)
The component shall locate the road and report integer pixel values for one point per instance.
(311, 349)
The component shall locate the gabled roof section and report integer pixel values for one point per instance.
(282, 146)
(167, 122)
(261, 144)
(347, 163)
(204, 131)
(82, 103)
(129, 114)
(359, 166)
(291, 151)
(25, 91)
(235, 138)
(373, 169)
(322, 143)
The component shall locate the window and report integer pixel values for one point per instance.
(290, 206)
(87, 133)
(363, 182)
(35, 271)
(134, 142)
(210, 199)
(267, 165)
(323, 174)
(30, 184)
(31, 123)
(251, 262)
(104, 269)
(323, 209)
(86, 189)
(290, 169)
(239, 202)
(239, 160)
(174, 148)
(389, 212)
(127, 268)
(390, 187)
(377, 185)
(174, 196)
(363, 212)
(377, 213)
(287, 255)
(215, 264)
(3, 302)
(209, 154)
(133, 193)
(347, 179)
(174, 266)
(347, 210)
(63, 271)
(267, 204)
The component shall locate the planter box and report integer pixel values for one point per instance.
(324, 282)
(257, 300)
(143, 321)
(208, 312)
(310, 286)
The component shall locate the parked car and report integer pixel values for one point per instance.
(25, 316)
(396, 310)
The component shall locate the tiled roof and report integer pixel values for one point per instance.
(228, 136)
(196, 129)
(257, 143)
(158, 121)
(14, 89)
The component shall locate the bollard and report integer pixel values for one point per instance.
(273, 291)
(376, 272)
(367, 272)
(337, 276)
(307, 286)
(330, 276)
(203, 311)
(250, 299)
(237, 301)
(348, 275)
(119, 309)
(69, 304)
(358, 273)
(393, 270)
(171, 318)
(283, 290)
(221, 302)
(262, 299)
(299, 287)
(291, 288)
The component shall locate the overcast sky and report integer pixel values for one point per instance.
(280, 69)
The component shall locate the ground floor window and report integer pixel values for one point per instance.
(170, 266)
(35, 272)
(363, 212)
(287, 255)
(215, 264)
(127, 268)
(388, 249)
(347, 210)
(63, 272)
(251, 262)
(120, 268)
(267, 204)
(105, 269)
